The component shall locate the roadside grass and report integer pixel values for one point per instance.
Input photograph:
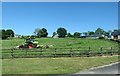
(61, 65)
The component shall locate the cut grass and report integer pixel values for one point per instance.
(61, 65)
(82, 45)
(63, 43)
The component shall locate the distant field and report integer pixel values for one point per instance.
(63, 43)
(61, 65)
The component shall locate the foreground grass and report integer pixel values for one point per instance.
(53, 65)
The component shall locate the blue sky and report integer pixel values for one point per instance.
(24, 17)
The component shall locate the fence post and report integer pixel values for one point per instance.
(70, 52)
(88, 54)
(111, 51)
(101, 50)
(26, 53)
(41, 53)
(89, 51)
(55, 53)
(12, 53)
(118, 50)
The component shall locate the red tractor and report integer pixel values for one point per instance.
(30, 43)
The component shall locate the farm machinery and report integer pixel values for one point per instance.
(30, 43)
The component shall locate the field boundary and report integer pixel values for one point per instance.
(57, 52)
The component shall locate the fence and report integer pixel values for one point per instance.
(59, 52)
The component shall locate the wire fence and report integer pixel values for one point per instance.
(59, 52)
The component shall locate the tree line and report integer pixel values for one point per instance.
(61, 33)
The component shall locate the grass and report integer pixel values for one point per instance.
(59, 65)
(77, 44)
(63, 43)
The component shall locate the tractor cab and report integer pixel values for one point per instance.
(30, 43)
(30, 40)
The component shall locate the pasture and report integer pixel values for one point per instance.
(60, 47)
(58, 65)
(63, 43)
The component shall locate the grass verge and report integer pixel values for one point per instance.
(61, 65)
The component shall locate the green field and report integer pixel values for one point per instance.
(63, 42)
(58, 65)
(62, 46)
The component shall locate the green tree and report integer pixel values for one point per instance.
(10, 33)
(77, 34)
(62, 32)
(45, 33)
(100, 31)
(36, 31)
(4, 36)
(6, 33)
(54, 33)
(91, 33)
(42, 32)
(0, 34)
(69, 35)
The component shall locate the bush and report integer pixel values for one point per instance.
(101, 38)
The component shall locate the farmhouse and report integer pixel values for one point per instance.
(17, 36)
(115, 35)
(107, 37)
(96, 36)
(56, 36)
